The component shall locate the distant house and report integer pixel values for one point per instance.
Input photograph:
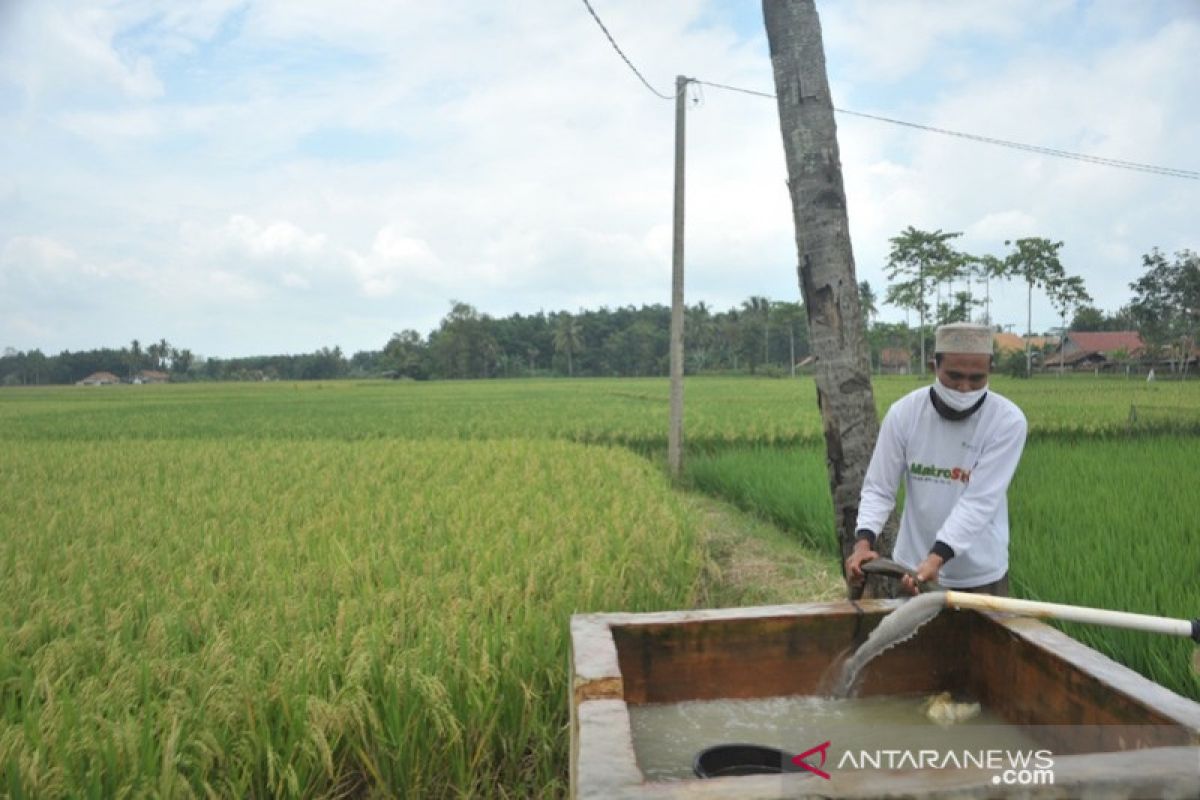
(1008, 343)
(1011, 342)
(895, 361)
(1095, 349)
(1005, 343)
(151, 376)
(99, 379)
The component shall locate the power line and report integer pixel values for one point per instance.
(736, 89)
(625, 58)
(1031, 148)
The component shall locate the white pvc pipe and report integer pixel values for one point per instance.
(1092, 616)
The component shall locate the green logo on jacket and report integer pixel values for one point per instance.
(930, 471)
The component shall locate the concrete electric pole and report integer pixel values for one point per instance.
(675, 433)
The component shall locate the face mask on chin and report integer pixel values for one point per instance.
(959, 401)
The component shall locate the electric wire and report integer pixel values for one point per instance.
(1031, 148)
(625, 58)
(735, 89)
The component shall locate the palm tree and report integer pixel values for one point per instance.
(135, 357)
(791, 315)
(1034, 260)
(698, 326)
(866, 300)
(761, 307)
(568, 338)
(153, 353)
(826, 264)
(919, 260)
(988, 267)
(729, 327)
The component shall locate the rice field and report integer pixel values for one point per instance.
(355, 589)
(1108, 523)
(260, 619)
(631, 412)
(1113, 524)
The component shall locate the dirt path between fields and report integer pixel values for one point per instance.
(751, 562)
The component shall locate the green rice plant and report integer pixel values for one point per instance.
(330, 589)
(788, 487)
(720, 412)
(1111, 524)
(313, 618)
(1108, 523)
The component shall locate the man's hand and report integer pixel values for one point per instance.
(861, 555)
(927, 571)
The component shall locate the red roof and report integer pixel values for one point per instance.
(1010, 342)
(100, 377)
(1107, 341)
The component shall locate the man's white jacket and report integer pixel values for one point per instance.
(956, 476)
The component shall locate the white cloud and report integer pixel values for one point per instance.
(54, 49)
(393, 246)
(1000, 225)
(892, 40)
(279, 239)
(182, 153)
(1125, 99)
(394, 262)
(36, 266)
(101, 128)
(37, 251)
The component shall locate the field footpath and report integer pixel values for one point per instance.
(749, 561)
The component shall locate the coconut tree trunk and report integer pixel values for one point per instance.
(826, 263)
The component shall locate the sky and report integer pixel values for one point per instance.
(245, 177)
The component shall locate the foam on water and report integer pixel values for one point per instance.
(667, 736)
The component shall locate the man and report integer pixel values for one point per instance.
(957, 446)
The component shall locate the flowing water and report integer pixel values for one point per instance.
(667, 736)
(895, 628)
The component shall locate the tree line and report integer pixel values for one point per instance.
(926, 275)
(629, 341)
(33, 367)
(759, 335)
(941, 283)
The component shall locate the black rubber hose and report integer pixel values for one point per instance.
(885, 566)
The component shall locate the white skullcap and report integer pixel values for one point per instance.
(963, 337)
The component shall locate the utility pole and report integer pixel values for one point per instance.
(1029, 333)
(921, 289)
(675, 433)
(792, 345)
